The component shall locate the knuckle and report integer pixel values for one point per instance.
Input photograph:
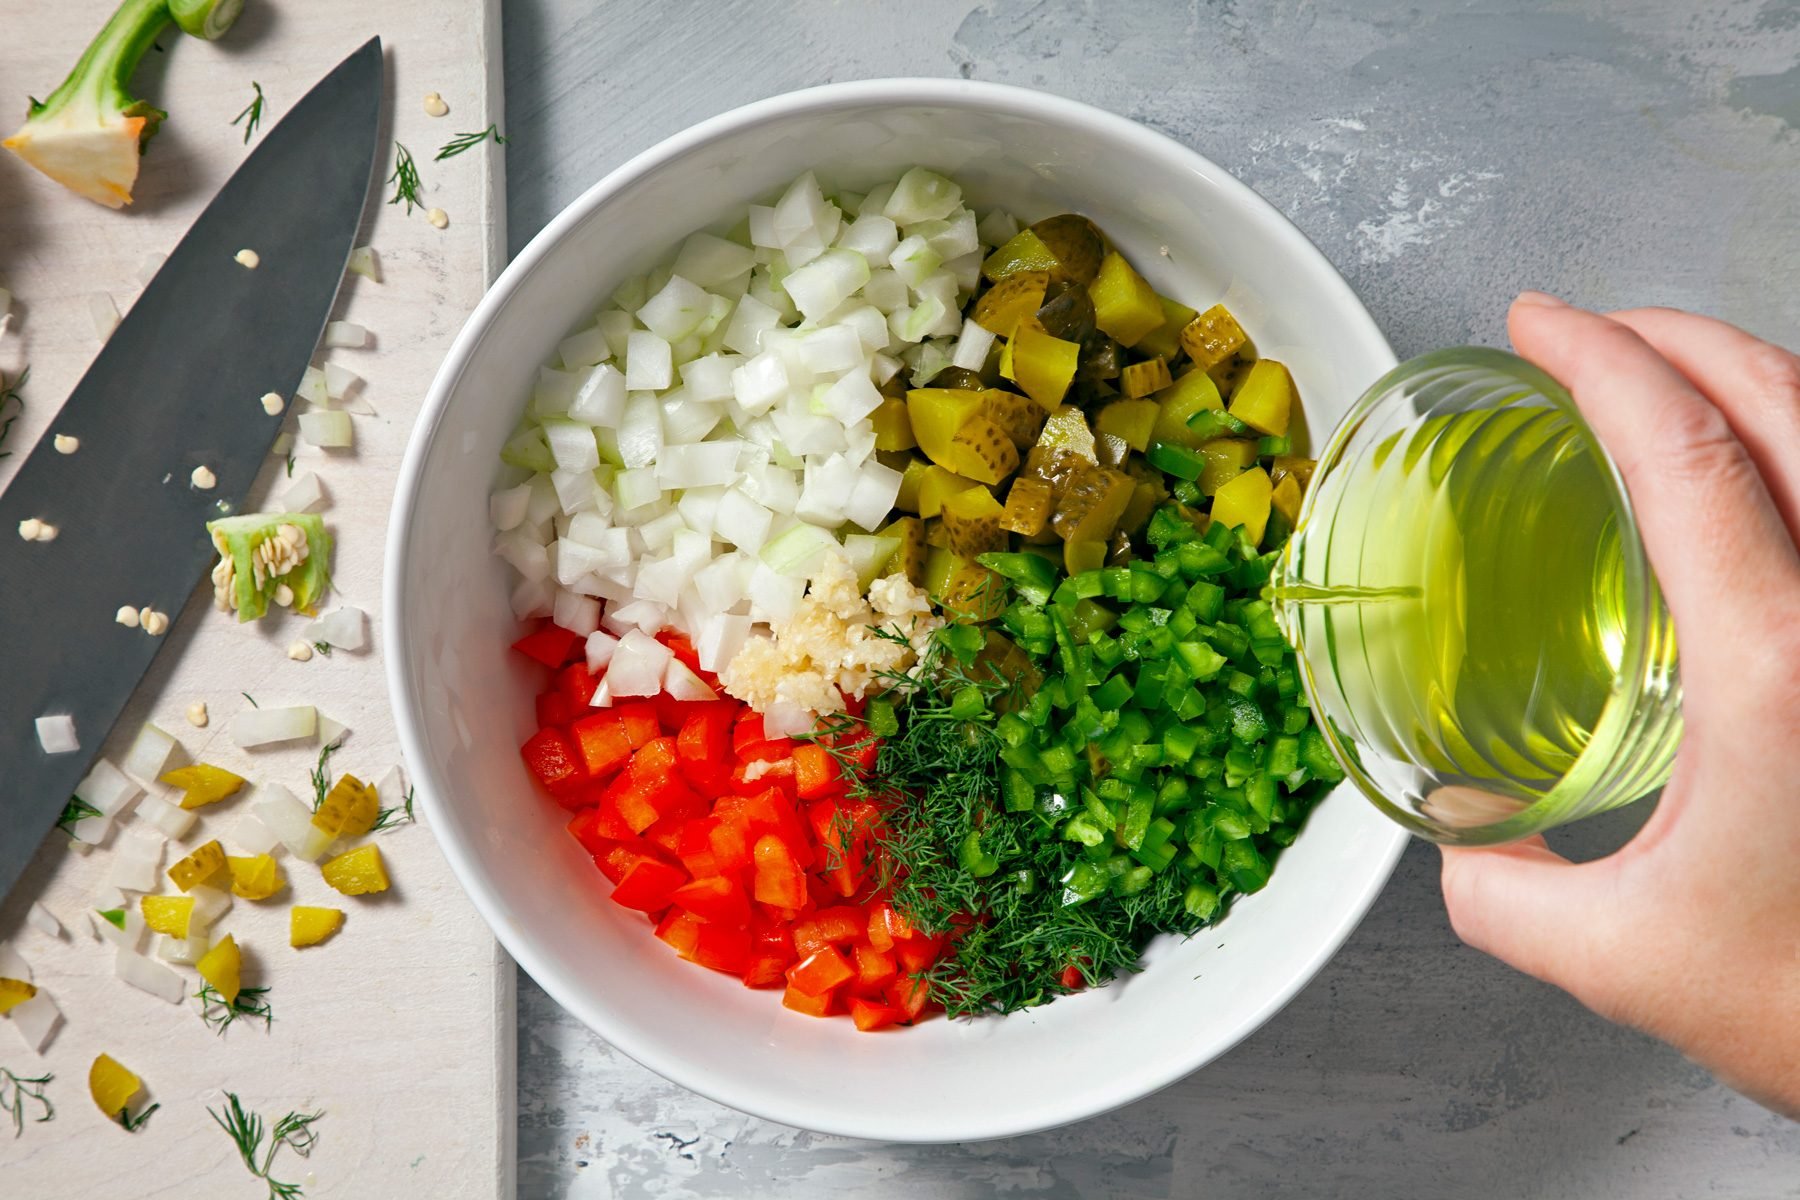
(1775, 375)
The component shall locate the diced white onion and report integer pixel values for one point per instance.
(107, 789)
(13, 964)
(710, 261)
(340, 381)
(327, 428)
(103, 313)
(149, 265)
(265, 726)
(682, 684)
(600, 398)
(149, 755)
(649, 364)
(290, 820)
(43, 920)
(362, 262)
(171, 820)
(575, 613)
(600, 647)
(303, 493)
(128, 938)
(583, 348)
(972, 347)
(331, 732)
(637, 665)
(506, 508)
(56, 734)
(344, 628)
(251, 836)
(36, 1020)
(346, 334)
(149, 976)
(210, 903)
(312, 388)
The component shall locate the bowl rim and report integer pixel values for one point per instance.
(464, 857)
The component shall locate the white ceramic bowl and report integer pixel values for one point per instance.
(464, 703)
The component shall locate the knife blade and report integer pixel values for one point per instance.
(177, 386)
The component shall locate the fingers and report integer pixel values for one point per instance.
(1534, 910)
(1754, 383)
(1722, 553)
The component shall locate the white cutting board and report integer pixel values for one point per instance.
(400, 1028)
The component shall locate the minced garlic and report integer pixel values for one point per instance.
(828, 649)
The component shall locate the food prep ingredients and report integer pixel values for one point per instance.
(349, 809)
(261, 553)
(836, 646)
(248, 259)
(222, 967)
(357, 872)
(89, 133)
(197, 715)
(206, 865)
(308, 926)
(113, 1087)
(14, 992)
(147, 975)
(167, 915)
(153, 622)
(435, 106)
(66, 443)
(150, 753)
(56, 734)
(256, 877)
(287, 817)
(265, 726)
(202, 784)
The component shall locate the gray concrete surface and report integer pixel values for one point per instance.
(1444, 155)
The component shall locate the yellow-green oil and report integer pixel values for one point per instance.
(1461, 598)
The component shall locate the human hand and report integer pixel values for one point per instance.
(1691, 932)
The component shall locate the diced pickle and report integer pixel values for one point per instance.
(255, 878)
(1074, 242)
(1265, 398)
(1043, 366)
(1067, 312)
(1027, 507)
(1001, 308)
(1125, 307)
(939, 565)
(909, 557)
(893, 428)
(1225, 459)
(936, 414)
(1178, 402)
(1091, 504)
(1145, 497)
(1212, 337)
(1083, 556)
(112, 1085)
(202, 784)
(14, 992)
(1001, 661)
(1024, 252)
(958, 378)
(1229, 375)
(357, 872)
(972, 522)
(167, 915)
(973, 593)
(349, 809)
(1141, 378)
(1021, 417)
(983, 451)
(1100, 358)
(1131, 420)
(1165, 339)
(1064, 447)
(1111, 450)
(937, 486)
(223, 967)
(1244, 500)
(1285, 499)
(199, 867)
(912, 475)
(1292, 464)
(934, 532)
(308, 926)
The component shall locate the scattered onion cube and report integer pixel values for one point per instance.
(251, 836)
(36, 1020)
(149, 976)
(346, 334)
(43, 920)
(682, 684)
(56, 734)
(327, 428)
(330, 731)
(312, 387)
(339, 381)
(149, 265)
(362, 262)
(104, 314)
(150, 753)
(342, 628)
(210, 903)
(303, 493)
(290, 820)
(171, 820)
(265, 726)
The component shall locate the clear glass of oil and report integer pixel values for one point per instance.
(1483, 639)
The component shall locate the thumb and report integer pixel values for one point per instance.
(1531, 908)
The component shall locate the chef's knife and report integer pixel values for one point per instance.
(177, 386)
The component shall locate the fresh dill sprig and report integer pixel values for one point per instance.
(405, 179)
(15, 1090)
(253, 113)
(252, 1002)
(246, 1130)
(464, 141)
(400, 814)
(251, 699)
(75, 810)
(10, 398)
(322, 648)
(290, 466)
(321, 774)
(132, 1124)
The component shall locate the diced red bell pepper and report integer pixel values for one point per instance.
(714, 846)
(770, 750)
(638, 718)
(577, 683)
(584, 828)
(551, 757)
(747, 731)
(874, 969)
(886, 926)
(723, 948)
(910, 994)
(681, 648)
(815, 772)
(602, 741)
(715, 899)
(828, 927)
(768, 811)
(705, 736)
(1072, 977)
(813, 1006)
(763, 773)
(917, 952)
(765, 971)
(618, 858)
(860, 753)
(625, 801)
(821, 971)
(553, 708)
(551, 645)
(779, 881)
(665, 835)
(648, 885)
(871, 1015)
(681, 930)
